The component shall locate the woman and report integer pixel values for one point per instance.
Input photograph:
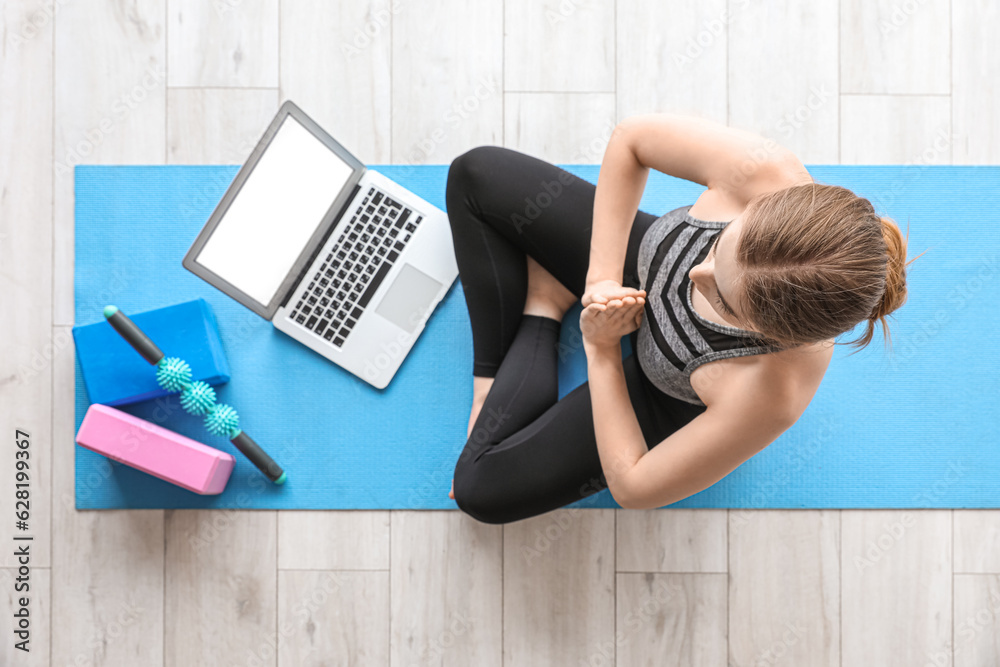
(733, 305)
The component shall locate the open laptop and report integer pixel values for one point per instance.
(340, 258)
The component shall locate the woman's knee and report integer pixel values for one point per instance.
(472, 170)
(473, 498)
(474, 163)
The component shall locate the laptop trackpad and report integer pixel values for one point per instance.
(408, 298)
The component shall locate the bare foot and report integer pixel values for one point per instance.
(480, 389)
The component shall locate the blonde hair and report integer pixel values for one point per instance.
(815, 261)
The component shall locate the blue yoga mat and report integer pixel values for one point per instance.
(914, 428)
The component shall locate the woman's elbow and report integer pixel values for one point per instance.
(626, 500)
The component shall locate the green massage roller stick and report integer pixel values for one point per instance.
(198, 398)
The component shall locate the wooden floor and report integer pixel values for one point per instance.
(191, 81)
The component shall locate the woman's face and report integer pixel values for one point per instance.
(715, 277)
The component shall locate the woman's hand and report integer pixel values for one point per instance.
(604, 324)
(604, 291)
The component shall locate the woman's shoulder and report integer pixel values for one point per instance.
(789, 378)
(726, 200)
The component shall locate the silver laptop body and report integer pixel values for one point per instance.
(339, 257)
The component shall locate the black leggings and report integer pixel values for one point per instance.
(529, 452)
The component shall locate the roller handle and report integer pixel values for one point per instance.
(133, 335)
(259, 457)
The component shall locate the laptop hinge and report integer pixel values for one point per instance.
(322, 243)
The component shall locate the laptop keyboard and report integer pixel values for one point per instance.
(358, 262)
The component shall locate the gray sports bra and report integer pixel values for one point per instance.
(673, 339)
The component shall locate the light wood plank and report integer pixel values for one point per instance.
(976, 69)
(333, 618)
(26, 339)
(455, 80)
(110, 108)
(31, 650)
(892, 129)
(977, 622)
(672, 540)
(221, 579)
(889, 46)
(783, 75)
(977, 541)
(349, 540)
(216, 125)
(675, 57)
(107, 566)
(446, 576)
(559, 46)
(558, 596)
(223, 43)
(335, 64)
(784, 588)
(666, 620)
(896, 586)
(107, 589)
(558, 127)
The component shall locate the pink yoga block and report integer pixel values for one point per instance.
(155, 450)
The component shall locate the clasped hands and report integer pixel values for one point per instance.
(610, 311)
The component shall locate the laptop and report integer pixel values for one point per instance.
(339, 257)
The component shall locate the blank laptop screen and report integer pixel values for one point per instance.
(275, 213)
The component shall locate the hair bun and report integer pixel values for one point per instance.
(894, 295)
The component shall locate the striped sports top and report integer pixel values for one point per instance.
(673, 339)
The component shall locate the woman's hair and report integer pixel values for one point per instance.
(815, 260)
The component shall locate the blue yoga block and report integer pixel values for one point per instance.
(115, 374)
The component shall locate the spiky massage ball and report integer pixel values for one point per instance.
(198, 398)
(222, 420)
(173, 374)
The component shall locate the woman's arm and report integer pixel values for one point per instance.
(742, 418)
(733, 164)
(620, 185)
(709, 447)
